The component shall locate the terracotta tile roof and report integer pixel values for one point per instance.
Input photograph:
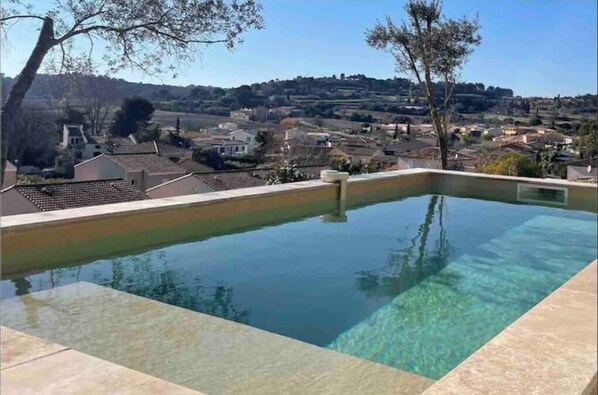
(406, 146)
(144, 148)
(425, 153)
(169, 150)
(223, 181)
(217, 142)
(192, 166)
(555, 137)
(59, 196)
(151, 163)
(357, 150)
(236, 179)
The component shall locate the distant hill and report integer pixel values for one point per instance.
(352, 97)
(45, 85)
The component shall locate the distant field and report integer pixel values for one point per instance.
(190, 121)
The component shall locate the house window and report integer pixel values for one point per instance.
(222, 150)
(243, 148)
(132, 182)
(248, 139)
(98, 147)
(236, 149)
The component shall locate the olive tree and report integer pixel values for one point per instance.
(429, 48)
(153, 36)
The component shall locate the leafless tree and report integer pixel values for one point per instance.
(33, 135)
(427, 46)
(98, 99)
(151, 35)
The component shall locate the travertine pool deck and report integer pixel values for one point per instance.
(195, 350)
(34, 366)
(549, 350)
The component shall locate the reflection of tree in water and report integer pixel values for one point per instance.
(411, 264)
(141, 275)
(147, 275)
(22, 286)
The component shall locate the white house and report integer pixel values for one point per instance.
(142, 171)
(242, 115)
(226, 147)
(245, 136)
(296, 134)
(493, 132)
(356, 153)
(228, 126)
(319, 137)
(82, 145)
(10, 175)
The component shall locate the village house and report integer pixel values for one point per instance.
(142, 171)
(222, 181)
(399, 147)
(383, 162)
(429, 158)
(242, 115)
(228, 126)
(319, 138)
(493, 132)
(309, 154)
(350, 139)
(296, 134)
(285, 111)
(357, 154)
(514, 131)
(81, 145)
(244, 136)
(557, 140)
(33, 198)
(224, 146)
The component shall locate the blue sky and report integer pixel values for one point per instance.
(535, 47)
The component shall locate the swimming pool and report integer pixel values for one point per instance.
(418, 284)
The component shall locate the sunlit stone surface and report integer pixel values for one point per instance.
(198, 351)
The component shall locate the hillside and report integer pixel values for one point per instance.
(354, 98)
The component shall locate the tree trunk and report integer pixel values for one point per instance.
(441, 136)
(23, 82)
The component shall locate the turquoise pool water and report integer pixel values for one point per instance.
(418, 284)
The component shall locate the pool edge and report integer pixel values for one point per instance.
(550, 349)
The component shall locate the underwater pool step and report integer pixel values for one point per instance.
(435, 325)
(195, 350)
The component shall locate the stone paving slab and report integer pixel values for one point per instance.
(18, 348)
(34, 366)
(195, 350)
